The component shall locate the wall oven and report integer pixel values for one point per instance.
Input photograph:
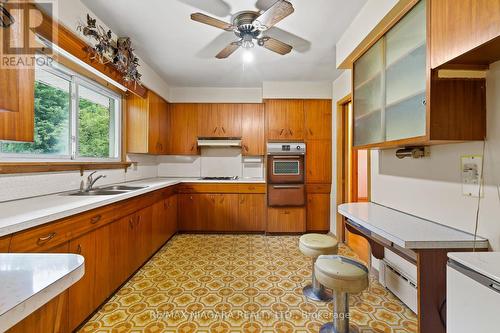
(285, 174)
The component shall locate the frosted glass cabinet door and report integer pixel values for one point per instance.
(368, 96)
(405, 61)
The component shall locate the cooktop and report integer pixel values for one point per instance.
(220, 178)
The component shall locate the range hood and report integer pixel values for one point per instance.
(219, 142)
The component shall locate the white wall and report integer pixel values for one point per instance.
(297, 89)
(367, 19)
(214, 95)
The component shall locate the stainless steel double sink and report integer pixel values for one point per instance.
(108, 190)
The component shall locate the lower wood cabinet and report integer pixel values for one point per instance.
(112, 252)
(318, 212)
(286, 219)
(228, 212)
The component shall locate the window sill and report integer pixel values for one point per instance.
(35, 167)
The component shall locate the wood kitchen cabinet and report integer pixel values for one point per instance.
(318, 119)
(253, 130)
(17, 94)
(286, 219)
(251, 213)
(398, 100)
(142, 236)
(285, 119)
(182, 134)
(220, 120)
(81, 296)
(464, 32)
(319, 161)
(164, 221)
(147, 124)
(318, 212)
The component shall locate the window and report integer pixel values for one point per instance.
(75, 119)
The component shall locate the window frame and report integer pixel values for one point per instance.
(76, 80)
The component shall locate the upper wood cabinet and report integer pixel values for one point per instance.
(147, 124)
(318, 119)
(253, 130)
(220, 120)
(17, 96)
(182, 134)
(464, 32)
(399, 101)
(285, 119)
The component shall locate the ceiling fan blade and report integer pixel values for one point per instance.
(299, 44)
(264, 5)
(276, 45)
(202, 18)
(274, 14)
(209, 50)
(228, 50)
(215, 7)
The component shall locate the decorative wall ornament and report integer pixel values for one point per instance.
(107, 50)
(6, 20)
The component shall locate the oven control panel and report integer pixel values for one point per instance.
(286, 148)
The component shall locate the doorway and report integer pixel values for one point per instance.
(353, 176)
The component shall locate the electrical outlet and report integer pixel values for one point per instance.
(472, 172)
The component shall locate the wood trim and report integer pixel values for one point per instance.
(73, 44)
(340, 197)
(393, 17)
(35, 167)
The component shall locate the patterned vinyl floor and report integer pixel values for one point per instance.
(237, 283)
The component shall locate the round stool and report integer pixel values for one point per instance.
(314, 245)
(344, 276)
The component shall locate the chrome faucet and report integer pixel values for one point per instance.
(91, 181)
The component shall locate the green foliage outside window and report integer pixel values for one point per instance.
(93, 131)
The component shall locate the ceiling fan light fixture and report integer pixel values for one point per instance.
(247, 42)
(248, 56)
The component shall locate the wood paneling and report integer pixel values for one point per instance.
(253, 129)
(183, 130)
(318, 212)
(459, 26)
(285, 119)
(251, 213)
(147, 124)
(81, 295)
(319, 161)
(286, 220)
(221, 188)
(462, 117)
(318, 119)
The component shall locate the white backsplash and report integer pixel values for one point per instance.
(221, 162)
(212, 162)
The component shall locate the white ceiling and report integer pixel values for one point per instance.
(182, 51)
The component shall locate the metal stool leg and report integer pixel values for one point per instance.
(340, 322)
(315, 291)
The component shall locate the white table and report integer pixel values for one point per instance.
(423, 242)
(29, 281)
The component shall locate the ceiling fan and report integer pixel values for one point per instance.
(250, 26)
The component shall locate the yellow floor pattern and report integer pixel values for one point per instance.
(237, 283)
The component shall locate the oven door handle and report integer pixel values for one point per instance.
(282, 187)
(277, 157)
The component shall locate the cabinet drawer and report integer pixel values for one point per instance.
(221, 188)
(47, 236)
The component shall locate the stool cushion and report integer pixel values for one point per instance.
(314, 245)
(341, 274)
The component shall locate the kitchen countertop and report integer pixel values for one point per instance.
(407, 231)
(23, 214)
(31, 280)
(485, 263)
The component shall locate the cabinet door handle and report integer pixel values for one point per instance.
(139, 219)
(286, 212)
(79, 249)
(281, 132)
(310, 131)
(95, 219)
(290, 131)
(215, 130)
(131, 223)
(192, 147)
(45, 239)
(282, 187)
(223, 130)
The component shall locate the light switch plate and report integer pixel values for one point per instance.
(471, 169)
